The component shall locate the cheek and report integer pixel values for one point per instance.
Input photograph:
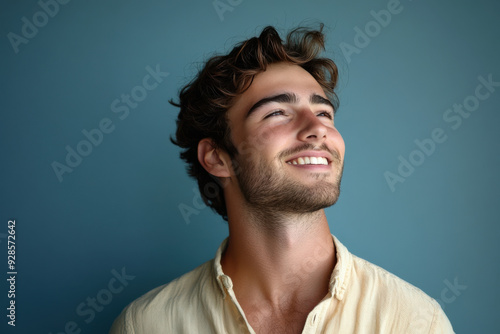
(269, 136)
(273, 140)
(337, 141)
(261, 146)
(259, 142)
(252, 145)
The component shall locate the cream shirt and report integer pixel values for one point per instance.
(362, 298)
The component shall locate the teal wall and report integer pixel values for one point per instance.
(420, 189)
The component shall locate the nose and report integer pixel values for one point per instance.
(312, 129)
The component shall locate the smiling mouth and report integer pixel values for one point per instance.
(308, 161)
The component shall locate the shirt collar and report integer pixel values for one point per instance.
(338, 280)
(342, 271)
(223, 280)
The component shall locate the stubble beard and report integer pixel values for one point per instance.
(268, 189)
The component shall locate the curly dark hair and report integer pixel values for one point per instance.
(205, 100)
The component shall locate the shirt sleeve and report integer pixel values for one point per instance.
(119, 325)
(440, 323)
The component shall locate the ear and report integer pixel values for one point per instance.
(215, 161)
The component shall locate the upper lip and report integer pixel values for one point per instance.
(322, 154)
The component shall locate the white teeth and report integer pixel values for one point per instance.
(309, 161)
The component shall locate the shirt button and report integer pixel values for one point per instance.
(313, 320)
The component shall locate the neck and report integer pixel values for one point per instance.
(279, 258)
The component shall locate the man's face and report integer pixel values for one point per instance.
(290, 155)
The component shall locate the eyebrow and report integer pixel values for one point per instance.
(318, 99)
(289, 98)
(280, 98)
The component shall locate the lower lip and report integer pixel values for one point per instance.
(319, 167)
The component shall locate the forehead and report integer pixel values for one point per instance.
(277, 78)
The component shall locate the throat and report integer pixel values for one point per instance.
(268, 319)
(286, 227)
(287, 277)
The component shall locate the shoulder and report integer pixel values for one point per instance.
(168, 305)
(372, 276)
(401, 301)
(178, 291)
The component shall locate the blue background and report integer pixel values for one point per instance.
(119, 208)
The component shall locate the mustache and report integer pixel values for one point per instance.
(306, 147)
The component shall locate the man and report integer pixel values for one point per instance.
(257, 129)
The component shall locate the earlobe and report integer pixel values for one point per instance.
(212, 159)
